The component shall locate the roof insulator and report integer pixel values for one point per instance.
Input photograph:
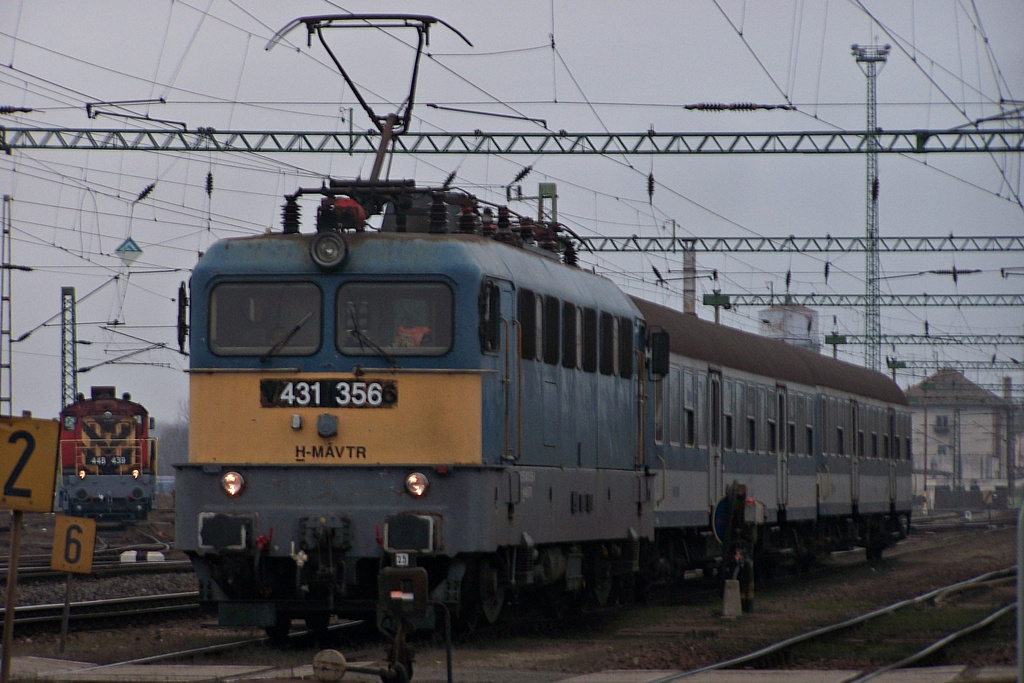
(290, 216)
(438, 214)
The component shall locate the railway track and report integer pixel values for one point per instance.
(94, 610)
(784, 652)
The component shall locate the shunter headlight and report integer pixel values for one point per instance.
(135, 473)
(416, 484)
(232, 483)
(81, 474)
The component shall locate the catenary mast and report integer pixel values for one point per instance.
(870, 56)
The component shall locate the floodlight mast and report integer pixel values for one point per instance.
(396, 123)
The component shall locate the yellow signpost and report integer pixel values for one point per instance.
(28, 464)
(28, 477)
(74, 539)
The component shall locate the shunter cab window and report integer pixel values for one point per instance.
(265, 318)
(396, 318)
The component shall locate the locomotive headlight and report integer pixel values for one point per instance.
(328, 249)
(81, 474)
(232, 483)
(416, 484)
(135, 473)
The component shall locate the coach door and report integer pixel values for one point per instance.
(782, 446)
(715, 464)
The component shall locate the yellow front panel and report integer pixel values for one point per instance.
(436, 420)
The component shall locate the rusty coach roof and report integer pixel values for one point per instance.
(722, 345)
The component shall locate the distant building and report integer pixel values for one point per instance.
(964, 436)
(796, 325)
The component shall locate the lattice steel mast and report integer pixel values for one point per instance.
(870, 56)
(68, 352)
(6, 367)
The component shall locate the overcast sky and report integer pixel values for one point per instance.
(581, 67)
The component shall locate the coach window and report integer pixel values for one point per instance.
(689, 419)
(809, 426)
(625, 348)
(527, 324)
(589, 340)
(609, 332)
(773, 420)
(727, 412)
(752, 409)
(265, 319)
(703, 410)
(394, 318)
(552, 325)
(796, 409)
(570, 339)
(673, 406)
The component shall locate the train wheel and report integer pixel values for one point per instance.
(601, 582)
(278, 633)
(317, 622)
(491, 591)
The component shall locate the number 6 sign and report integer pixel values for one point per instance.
(73, 541)
(28, 464)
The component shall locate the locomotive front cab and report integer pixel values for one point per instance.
(108, 460)
(424, 396)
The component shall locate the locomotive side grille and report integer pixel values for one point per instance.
(224, 532)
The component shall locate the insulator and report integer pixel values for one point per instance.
(467, 221)
(290, 216)
(569, 255)
(449, 180)
(826, 271)
(650, 186)
(438, 214)
(505, 233)
(145, 193)
(209, 183)
(488, 222)
(874, 190)
(522, 174)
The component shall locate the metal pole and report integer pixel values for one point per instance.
(1020, 591)
(67, 612)
(12, 582)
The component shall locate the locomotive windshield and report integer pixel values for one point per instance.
(265, 318)
(397, 319)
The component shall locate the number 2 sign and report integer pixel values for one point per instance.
(28, 464)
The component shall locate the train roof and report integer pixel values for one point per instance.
(722, 345)
(373, 254)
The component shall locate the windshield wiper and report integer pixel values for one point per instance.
(287, 338)
(363, 339)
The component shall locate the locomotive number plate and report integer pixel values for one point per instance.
(328, 393)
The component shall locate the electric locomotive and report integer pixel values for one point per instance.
(108, 458)
(445, 409)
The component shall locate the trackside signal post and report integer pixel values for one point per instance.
(28, 477)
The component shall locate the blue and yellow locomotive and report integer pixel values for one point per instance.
(447, 391)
